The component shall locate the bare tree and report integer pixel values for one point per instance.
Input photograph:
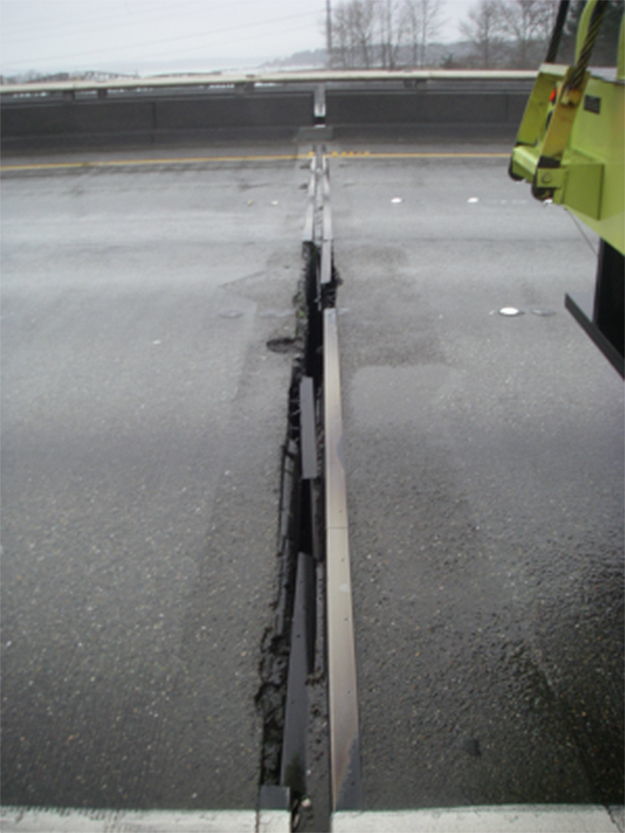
(389, 17)
(342, 41)
(369, 32)
(353, 33)
(528, 23)
(483, 29)
(362, 22)
(422, 20)
(339, 38)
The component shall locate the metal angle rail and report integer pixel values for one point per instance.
(316, 542)
(327, 205)
(345, 775)
(308, 234)
(341, 662)
(345, 778)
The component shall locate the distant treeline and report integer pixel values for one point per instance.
(496, 34)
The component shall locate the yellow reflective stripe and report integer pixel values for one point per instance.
(287, 157)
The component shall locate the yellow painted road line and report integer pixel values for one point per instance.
(118, 163)
(366, 154)
(286, 157)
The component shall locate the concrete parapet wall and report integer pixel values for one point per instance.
(153, 119)
(168, 118)
(235, 110)
(20, 120)
(416, 108)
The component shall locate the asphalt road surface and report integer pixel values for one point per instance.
(142, 421)
(484, 456)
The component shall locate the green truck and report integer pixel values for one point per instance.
(570, 147)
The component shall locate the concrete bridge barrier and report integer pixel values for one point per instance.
(74, 114)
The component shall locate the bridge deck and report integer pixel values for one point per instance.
(143, 418)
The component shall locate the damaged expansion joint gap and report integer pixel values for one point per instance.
(309, 641)
(294, 657)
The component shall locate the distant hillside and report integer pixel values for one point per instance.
(449, 55)
(308, 58)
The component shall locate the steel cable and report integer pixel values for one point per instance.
(582, 62)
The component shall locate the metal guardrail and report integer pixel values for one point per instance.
(252, 79)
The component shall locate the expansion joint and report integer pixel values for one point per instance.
(308, 694)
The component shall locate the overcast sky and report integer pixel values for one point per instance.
(156, 35)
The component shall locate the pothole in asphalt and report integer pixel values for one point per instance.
(284, 344)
